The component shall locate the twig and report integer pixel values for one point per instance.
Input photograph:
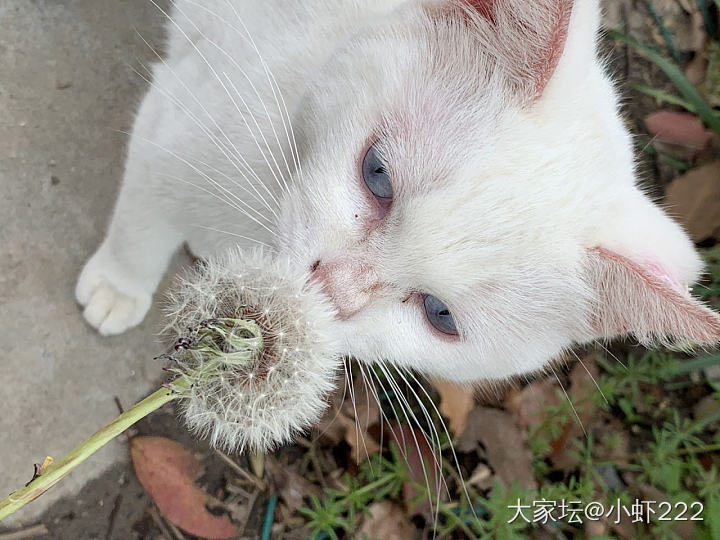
(302, 441)
(176, 532)
(242, 472)
(37, 530)
(119, 405)
(155, 515)
(113, 515)
(315, 460)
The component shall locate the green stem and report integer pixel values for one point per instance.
(58, 470)
(221, 342)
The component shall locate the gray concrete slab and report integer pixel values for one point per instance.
(67, 88)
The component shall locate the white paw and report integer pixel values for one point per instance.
(106, 307)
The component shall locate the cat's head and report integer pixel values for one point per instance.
(468, 195)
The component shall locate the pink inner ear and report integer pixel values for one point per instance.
(483, 7)
(632, 299)
(555, 45)
(529, 38)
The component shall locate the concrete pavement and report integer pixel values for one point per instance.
(67, 88)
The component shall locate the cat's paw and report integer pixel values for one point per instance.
(108, 308)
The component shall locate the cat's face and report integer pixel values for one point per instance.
(467, 195)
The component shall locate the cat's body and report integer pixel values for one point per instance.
(513, 192)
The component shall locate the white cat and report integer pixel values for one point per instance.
(455, 173)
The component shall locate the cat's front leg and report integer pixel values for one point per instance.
(116, 285)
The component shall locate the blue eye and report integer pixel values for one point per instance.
(439, 316)
(376, 176)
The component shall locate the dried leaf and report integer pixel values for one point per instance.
(608, 429)
(679, 133)
(456, 402)
(504, 444)
(350, 419)
(424, 468)
(167, 470)
(528, 405)
(360, 403)
(581, 395)
(694, 197)
(481, 478)
(363, 445)
(386, 521)
(291, 486)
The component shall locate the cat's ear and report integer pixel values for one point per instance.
(642, 300)
(538, 40)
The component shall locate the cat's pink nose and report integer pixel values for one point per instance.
(349, 283)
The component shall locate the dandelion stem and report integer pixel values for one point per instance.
(58, 470)
(219, 343)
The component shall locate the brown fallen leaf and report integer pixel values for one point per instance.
(528, 405)
(481, 478)
(505, 446)
(582, 397)
(291, 486)
(386, 521)
(167, 470)
(349, 419)
(456, 402)
(694, 197)
(680, 134)
(360, 403)
(423, 468)
(612, 440)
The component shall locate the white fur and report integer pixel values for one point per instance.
(497, 199)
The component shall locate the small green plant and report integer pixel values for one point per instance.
(339, 510)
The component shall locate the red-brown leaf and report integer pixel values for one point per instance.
(386, 521)
(693, 199)
(505, 445)
(167, 470)
(423, 465)
(678, 128)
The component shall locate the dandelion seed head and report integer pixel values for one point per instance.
(258, 377)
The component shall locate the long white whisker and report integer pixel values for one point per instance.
(447, 431)
(611, 354)
(271, 80)
(435, 435)
(371, 387)
(357, 422)
(210, 180)
(219, 80)
(397, 416)
(257, 196)
(262, 136)
(266, 69)
(234, 202)
(282, 106)
(405, 409)
(237, 155)
(591, 377)
(342, 399)
(577, 416)
(263, 244)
